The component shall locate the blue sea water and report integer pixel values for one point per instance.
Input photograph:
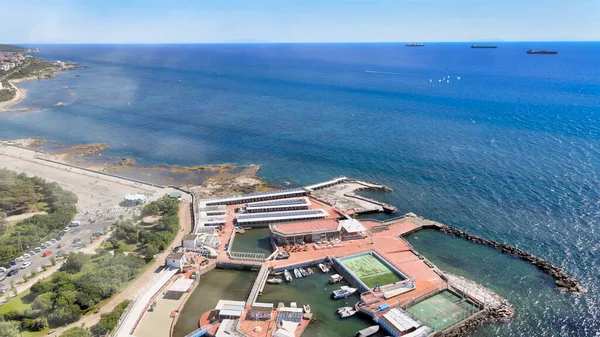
(510, 151)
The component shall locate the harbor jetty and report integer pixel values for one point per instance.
(563, 280)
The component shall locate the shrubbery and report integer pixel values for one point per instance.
(19, 193)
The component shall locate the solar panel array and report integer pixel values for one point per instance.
(288, 202)
(278, 215)
(271, 192)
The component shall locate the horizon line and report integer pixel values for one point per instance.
(291, 42)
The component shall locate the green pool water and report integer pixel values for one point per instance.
(212, 287)
(371, 270)
(253, 241)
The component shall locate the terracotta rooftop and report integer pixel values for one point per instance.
(321, 225)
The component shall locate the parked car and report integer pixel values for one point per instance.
(98, 233)
(2, 270)
(48, 243)
(53, 241)
(67, 229)
(44, 245)
(12, 272)
(47, 253)
(19, 259)
(25, 265)
(26, 255)
(37, 249)
(13, 262)
(75, 224)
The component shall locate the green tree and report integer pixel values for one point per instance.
(109, 321)
(76, 262)
(148, 252)
(151, 209)
(43, 302)
(76, 332)
(9, 329)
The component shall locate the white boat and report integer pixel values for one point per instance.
(323, 268)
(343, 292)
(303, 272)
(335, 278)
(306, 308)
(342, 309)
(310, 271)
(297, 273)
(287, 275)
(367, 331)
(348, 313)
(275, 280)
(293, 305)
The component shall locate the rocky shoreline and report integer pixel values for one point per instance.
(563, 281)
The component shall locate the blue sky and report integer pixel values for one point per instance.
(175, 21)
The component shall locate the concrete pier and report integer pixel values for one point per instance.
(342, 195)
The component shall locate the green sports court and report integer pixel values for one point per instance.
(371, 270)
(442, 310)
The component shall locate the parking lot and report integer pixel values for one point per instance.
(92, 221)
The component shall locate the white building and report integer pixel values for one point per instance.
(190, 241)
(176, 260)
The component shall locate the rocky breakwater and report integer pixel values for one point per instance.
(563, 281)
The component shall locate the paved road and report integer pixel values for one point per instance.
(91, 221)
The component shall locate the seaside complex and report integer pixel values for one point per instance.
(315, 232)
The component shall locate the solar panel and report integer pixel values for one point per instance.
(279, 203)
(276, 215)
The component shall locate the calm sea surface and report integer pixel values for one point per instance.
(510, 151)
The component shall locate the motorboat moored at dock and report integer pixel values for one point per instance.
(335, 278)
(297, 273)
(303, 272)
(367, 331)
(343, 292)
(275, 280)
(287, 275)
(323, 268)
(306, 308)
(347, 313)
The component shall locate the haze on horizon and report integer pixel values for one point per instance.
(178, 21)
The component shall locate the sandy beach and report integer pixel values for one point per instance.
(20, 96)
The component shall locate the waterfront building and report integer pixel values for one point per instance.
(255, 197)
(279, 205)
(176, 260)
(190, 241)
(263, 219)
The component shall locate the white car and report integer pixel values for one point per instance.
(67, 229)
(25, 265)
(2, 270)
(26, 256)
(48, 243)
(19, 259)
(37, 249)
(53, 241)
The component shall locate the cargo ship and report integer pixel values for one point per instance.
(531, 51)
(476, 46)
(415, 45)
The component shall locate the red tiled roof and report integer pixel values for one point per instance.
(306, 226)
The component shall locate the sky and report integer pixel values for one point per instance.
(217, 21)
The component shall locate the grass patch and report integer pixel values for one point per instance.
(26, 333)
(20, 302)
